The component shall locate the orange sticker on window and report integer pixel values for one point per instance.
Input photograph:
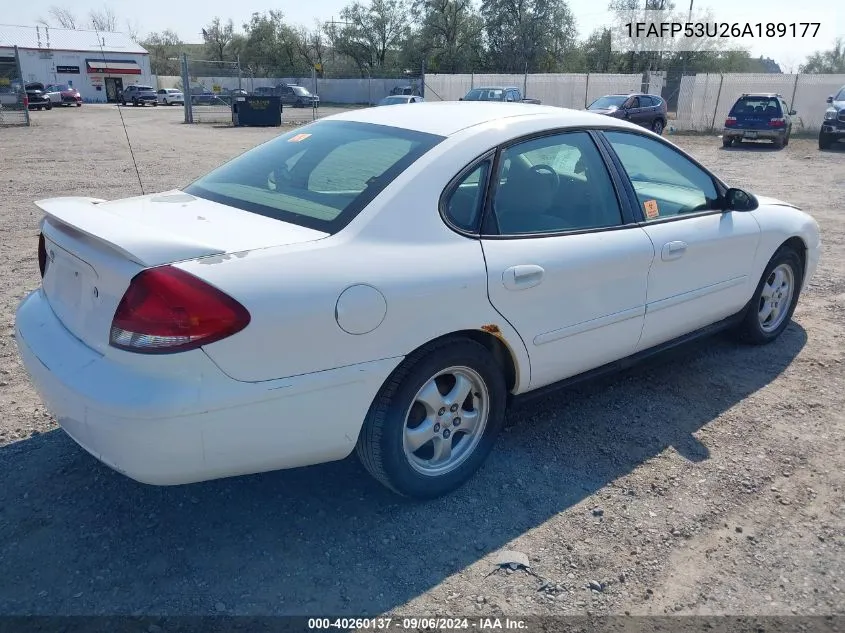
(651, 210)
(298, 138)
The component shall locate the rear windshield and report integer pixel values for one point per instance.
(764, 106)
(318, 176)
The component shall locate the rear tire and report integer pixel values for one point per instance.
(657, 126)
(419, 406)
(773, 303)
(727, 141)
(779, 142)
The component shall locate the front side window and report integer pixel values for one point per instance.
(319, 176)
(552, 184)
(666, 182)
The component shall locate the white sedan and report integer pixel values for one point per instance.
(170, 96)
(386, 280)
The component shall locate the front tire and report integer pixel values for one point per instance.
(770, 309)
(825, 140)
(435, 419)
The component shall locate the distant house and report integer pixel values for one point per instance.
(97, 64)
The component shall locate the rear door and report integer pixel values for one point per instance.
(565, 265)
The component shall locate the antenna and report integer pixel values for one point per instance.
(122, 122)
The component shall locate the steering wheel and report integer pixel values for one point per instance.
(542, 169)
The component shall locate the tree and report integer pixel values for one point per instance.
(450, 35)
(832, 61)
(528, 35)
(371, 34)
(217, 37)
(163, 48)
(61, 16)
(104, 19)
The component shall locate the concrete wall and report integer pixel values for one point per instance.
(41, 66)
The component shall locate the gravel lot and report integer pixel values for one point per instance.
(707, 482)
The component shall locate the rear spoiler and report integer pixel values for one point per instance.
(143, 244)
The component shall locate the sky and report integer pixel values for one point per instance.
(187, 18)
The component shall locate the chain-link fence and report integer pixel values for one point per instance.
(704, 100)
(13, 101)
(696, 102)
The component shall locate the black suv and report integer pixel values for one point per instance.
(758, 116)
(833, 126)
(139, 95)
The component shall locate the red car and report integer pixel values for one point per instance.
(62, 94)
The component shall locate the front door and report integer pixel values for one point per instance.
(563, 266)
(703, 256)
(114, 86)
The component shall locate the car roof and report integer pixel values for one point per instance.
(494, 88)
(760, 94)
(446, 118)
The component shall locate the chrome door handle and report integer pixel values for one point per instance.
(673, 250)
(522, 277)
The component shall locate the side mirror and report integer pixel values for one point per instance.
(830, 99)
(460, 98)
(739, 200)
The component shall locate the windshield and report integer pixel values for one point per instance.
(393, 100)
(319, 176)
(485, 94)
(840, 96)
(143, 87)
(302, 92)
(608, 102)
(57, 87)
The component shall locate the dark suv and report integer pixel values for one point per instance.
(758, 116)
(37, 98)
(833, 126)
(139, 95)
(636, 107)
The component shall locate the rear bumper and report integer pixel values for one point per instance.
(179, 419)
(767, 133)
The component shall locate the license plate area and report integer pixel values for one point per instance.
(750, 135)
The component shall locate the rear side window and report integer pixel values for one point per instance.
(318, 176)
(762, 106)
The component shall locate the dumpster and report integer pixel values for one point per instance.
(257, 111)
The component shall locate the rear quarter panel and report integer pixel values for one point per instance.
(433, 280)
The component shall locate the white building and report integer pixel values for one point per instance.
(95, 63)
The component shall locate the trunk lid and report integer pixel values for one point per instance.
(95, 247)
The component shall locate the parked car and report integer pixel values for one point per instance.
(170, 96)
(758, 116)
(497, 93)
(646, 110)
(36, 98)
(63, 94)
(189, 357)
(139, 95)
(833, 126)
(399, 99)
(297, 96)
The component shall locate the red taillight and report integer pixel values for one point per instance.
(777, 122)
(730, 121)
(167, 310)
(42, 254)
(25, 101)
